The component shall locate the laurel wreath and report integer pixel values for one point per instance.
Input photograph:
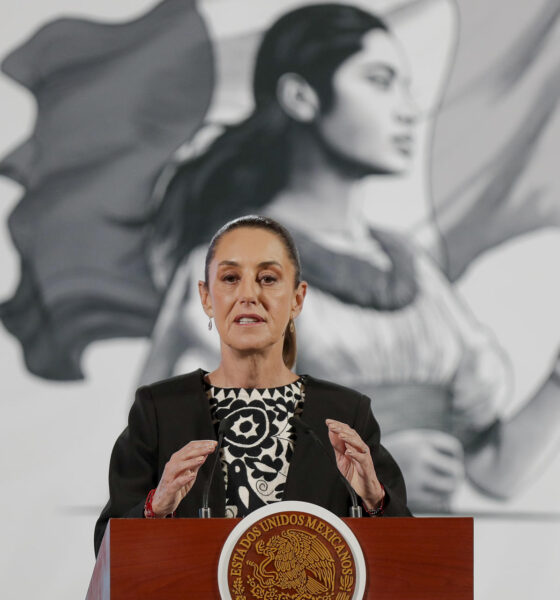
(238, 589)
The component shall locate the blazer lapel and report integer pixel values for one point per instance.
(311, 474)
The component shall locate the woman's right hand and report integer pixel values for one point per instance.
(433, 466)
(179, 475)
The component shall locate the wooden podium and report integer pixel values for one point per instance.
(406, 558)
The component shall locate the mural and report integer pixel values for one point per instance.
(405, 163)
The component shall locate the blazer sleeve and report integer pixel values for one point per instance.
(387, 470)
(133, 465)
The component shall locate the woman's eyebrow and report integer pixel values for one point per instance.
(262, 265)
(228, 263)
(269, 263)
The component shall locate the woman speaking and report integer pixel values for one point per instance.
(160, 464)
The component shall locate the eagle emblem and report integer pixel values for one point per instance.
(291, 551)
(297, 563)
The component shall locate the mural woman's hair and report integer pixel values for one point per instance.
(249, 163)
(289, 349)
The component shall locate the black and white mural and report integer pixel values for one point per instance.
(411, 153)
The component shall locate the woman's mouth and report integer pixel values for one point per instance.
(404, 144)
(249, 320)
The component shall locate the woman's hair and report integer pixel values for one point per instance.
(250, 163)
(289, 349)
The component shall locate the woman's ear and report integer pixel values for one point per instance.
(299, 297)
(205, 298)
(297, 98)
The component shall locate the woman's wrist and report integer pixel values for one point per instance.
(374, 504)
(151, 511)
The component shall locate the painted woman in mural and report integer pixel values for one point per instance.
(332, 106)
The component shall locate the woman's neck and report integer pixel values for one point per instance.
(318, 190)
(250, 370)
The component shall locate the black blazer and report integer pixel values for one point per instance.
(167, 415)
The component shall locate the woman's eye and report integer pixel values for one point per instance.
(268, 279)
(380, 81)
(229, 278)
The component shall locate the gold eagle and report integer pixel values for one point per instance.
(301, 563)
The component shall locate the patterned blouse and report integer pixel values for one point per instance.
(259, 443)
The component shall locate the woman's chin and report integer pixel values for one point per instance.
(400, 165)
(250, 344)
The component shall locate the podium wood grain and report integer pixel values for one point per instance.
(406, 558)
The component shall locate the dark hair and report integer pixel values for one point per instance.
(313, 42)
(257, 222)
(248, 164)
(289, 349)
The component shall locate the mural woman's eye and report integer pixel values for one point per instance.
(381, 76)
(380, 80)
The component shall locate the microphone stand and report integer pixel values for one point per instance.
(205, 512)
(355, 509)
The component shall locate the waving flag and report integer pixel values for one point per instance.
(114, 103)
(497, 132)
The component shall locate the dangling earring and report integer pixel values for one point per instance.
(210, 324)
(292, 326)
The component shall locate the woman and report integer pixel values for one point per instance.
(252, 292)
(332, 106)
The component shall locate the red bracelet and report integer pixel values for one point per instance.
(149, 511)
(375, 512)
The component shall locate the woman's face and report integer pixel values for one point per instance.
(372, 117)
(250, 291)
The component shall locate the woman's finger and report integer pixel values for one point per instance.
(363, 466)
(340, 434)
(432, 501)
(185, 479)
(363, 458)
(178, 468)
(342, 429)
(336, 442)
(194, 449)
(338, 426)
(445, 465)
(444, 443)
(441, 484)
(355, 441)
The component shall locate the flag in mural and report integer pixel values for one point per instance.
(493, 165)
(114, 103)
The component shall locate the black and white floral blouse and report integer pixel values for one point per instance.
(258, 444)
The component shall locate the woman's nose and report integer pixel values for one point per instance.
(407, 118)
(409, 111)
(248, 292)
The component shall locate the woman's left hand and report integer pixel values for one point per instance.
(353, 458)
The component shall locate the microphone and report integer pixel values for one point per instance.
(355, 509)
(206, 512)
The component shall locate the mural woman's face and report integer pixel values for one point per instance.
(372, 117)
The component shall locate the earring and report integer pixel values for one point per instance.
(292, 326)
(210, 324)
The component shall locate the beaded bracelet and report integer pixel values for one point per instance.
(149, 511)
(375, 512)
